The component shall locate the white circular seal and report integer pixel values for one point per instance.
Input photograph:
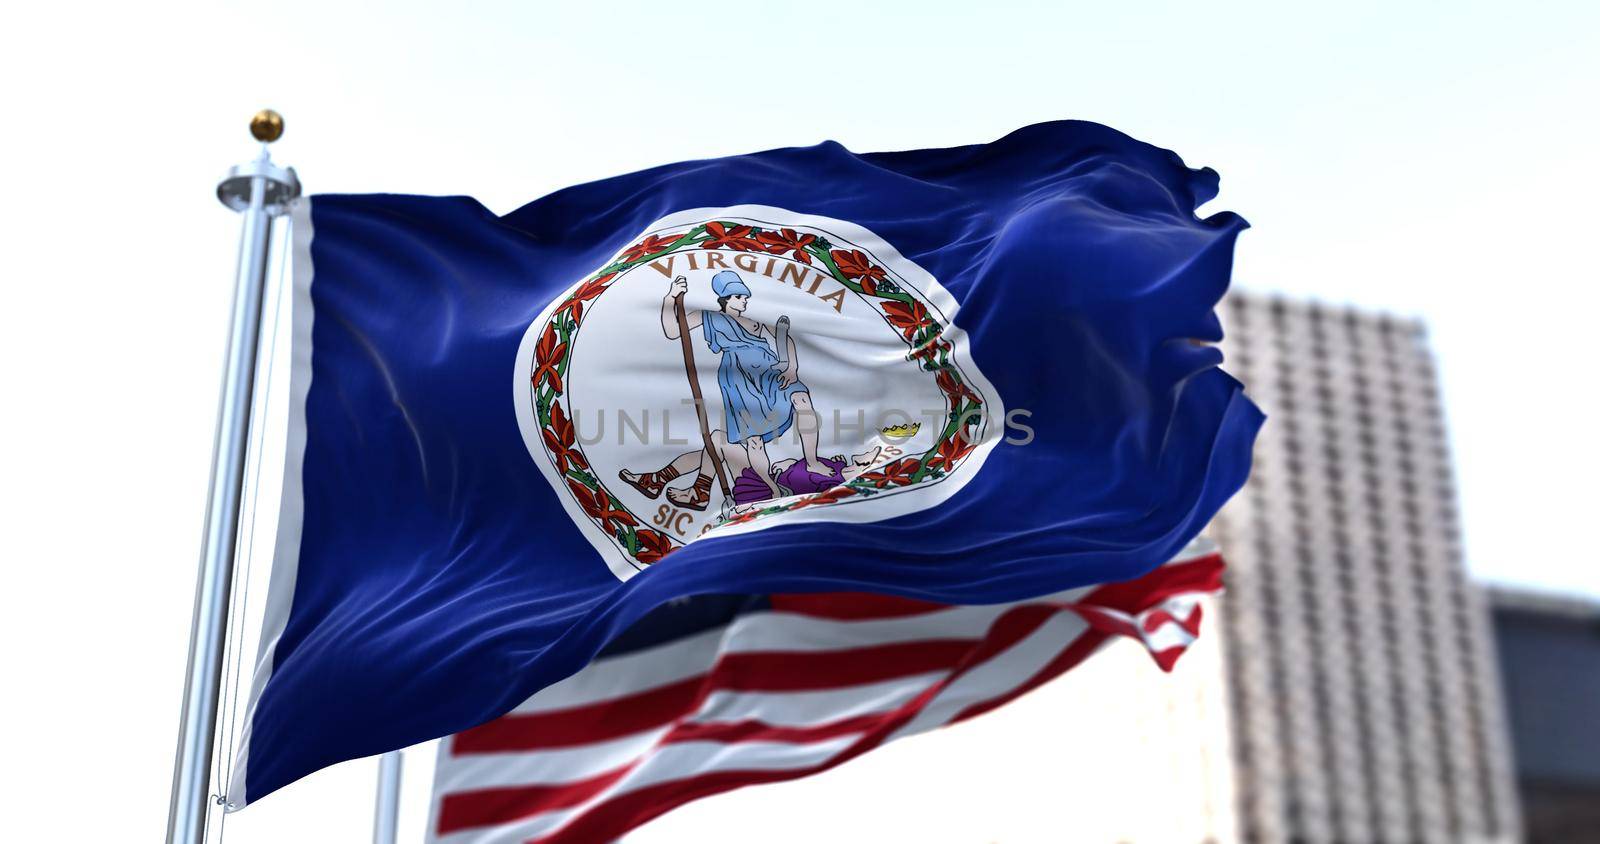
(739, 368)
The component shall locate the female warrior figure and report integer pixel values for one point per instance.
(761, 396)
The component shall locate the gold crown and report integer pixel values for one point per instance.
(902, 431)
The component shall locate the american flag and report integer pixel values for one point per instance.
(712, 693)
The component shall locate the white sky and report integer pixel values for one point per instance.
(1435, 159)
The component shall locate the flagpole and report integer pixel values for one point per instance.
(386, 817)
(260, 191)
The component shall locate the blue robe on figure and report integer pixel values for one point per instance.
(754, 400)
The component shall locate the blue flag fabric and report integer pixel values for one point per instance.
(456, 534)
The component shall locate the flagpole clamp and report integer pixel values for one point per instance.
(281, 185)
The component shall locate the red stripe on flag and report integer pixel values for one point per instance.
(1202, 574)
(780, 671)
(747, 672)
(489, 806)
(581, 725)
(729, 732)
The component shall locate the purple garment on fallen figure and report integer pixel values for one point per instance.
(748, 488)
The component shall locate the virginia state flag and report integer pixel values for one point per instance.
(967, 376)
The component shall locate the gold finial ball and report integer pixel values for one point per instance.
(266, 126)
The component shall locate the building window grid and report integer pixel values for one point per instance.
(1417, 562)
(1303, 741)
(1398, 790)
(1268, 808)
(1338, 491)
(1336, 658)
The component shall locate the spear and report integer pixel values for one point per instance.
(694, 389)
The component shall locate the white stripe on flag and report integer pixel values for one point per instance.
(669, 763)
(812, 708)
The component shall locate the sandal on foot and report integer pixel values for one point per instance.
(650, 483)
(693, 498)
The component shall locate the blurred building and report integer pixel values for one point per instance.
(1550, 663)
(1360, 672)
(1362, 688)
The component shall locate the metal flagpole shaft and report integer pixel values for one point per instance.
(261, 191)
(386, 818)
